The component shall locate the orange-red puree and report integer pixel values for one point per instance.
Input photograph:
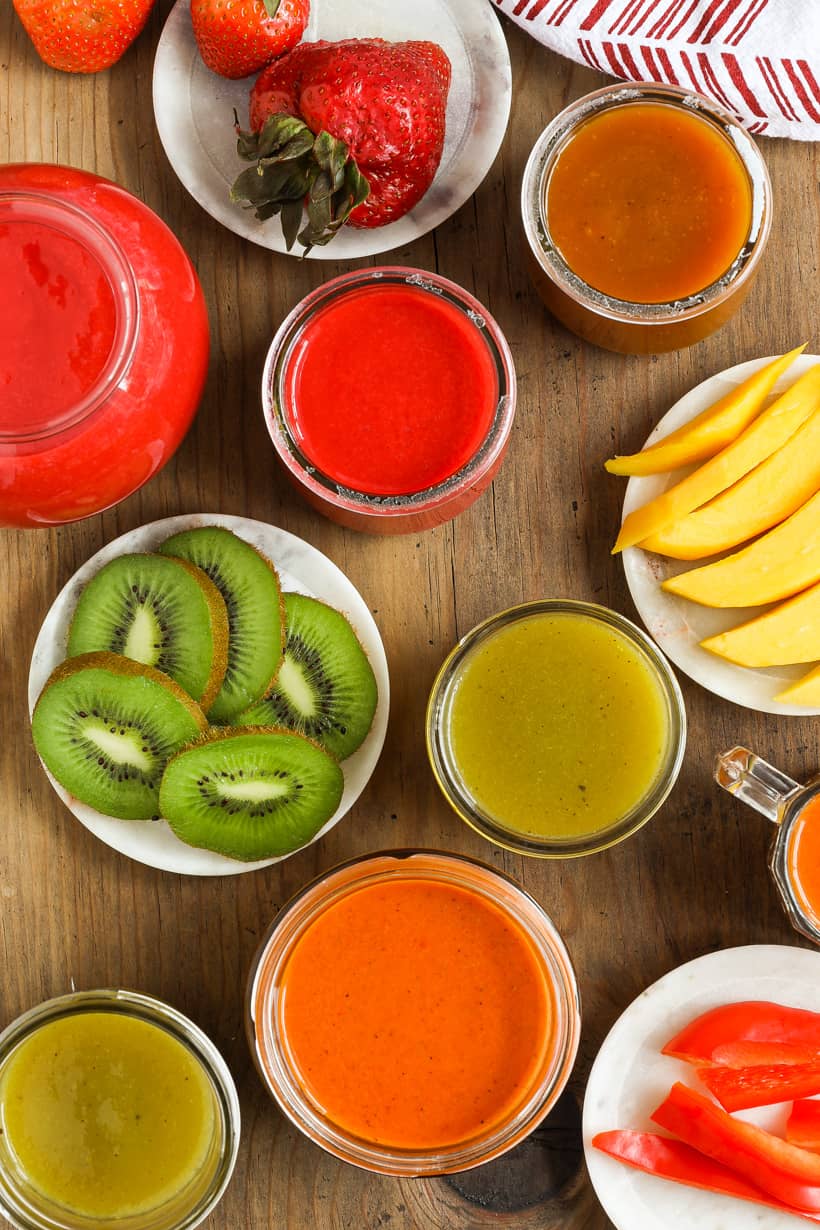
(417, 1014)
(649, 203)
(804, 859)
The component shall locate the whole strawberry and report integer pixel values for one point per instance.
(80, 36)
(353, 129)
(238, 37)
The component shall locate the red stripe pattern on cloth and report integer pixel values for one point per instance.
(758, 58)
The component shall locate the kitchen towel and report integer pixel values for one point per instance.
(759, 58)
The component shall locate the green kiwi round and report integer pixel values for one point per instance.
(160, 611)
(250, 792)
(325, 687)
(250, 588)
(105, 727)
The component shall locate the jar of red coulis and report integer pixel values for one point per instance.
(103, 344)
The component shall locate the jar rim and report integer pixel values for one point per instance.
(152, 1011)
(551, 143)
(269, 1050)
(455, 790)
(49, 208)
(276, 411)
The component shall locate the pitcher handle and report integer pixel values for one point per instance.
(755, 781)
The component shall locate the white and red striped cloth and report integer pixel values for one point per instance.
(759, 58)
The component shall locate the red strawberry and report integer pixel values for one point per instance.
(238, 37)
(78, 36)
(355, 129)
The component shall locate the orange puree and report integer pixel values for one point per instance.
(417, 1014)
(649, 203)
(804, 859)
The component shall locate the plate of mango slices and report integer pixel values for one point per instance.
(721, 533)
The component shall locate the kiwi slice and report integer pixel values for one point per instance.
(250, 792)
(105, 727)
(325, 687)
(250, 587)
(159, 611)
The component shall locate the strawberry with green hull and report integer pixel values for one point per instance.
(80, 37)
(238, 37)
(353, 130)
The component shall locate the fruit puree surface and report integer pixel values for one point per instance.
(390, 389)
(649, 203)
(105, 1114)
(417, 1014)
(57, 324)
(804, 859)
(557, 725)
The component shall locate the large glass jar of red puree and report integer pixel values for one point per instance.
(103, 344)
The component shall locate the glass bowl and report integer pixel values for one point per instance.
(457, 791)
(270, 1045)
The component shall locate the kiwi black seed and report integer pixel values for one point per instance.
(160, 611)
(250, 793)
(105, 727)
(325, 687)
(250, 588)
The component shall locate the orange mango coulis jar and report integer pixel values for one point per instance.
(646, 210)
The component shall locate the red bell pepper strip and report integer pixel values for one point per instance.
(672, 1159)
(803, 1126)
(789, 1174)
(750, 1032)
(742, 1088)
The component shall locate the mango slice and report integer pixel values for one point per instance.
(761, 438)
(784, 634)
(805, 692)
(779, 564)
(767, 495)
(710, 431)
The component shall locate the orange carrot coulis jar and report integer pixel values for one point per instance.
(414, 1012)
(646, 209)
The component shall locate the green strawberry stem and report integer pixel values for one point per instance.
(293, 168)
(271, 6)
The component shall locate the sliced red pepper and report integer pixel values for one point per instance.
(803, 1126)
(779, 1168)
(672, 1159)
(742, 1088)
(750, 1032)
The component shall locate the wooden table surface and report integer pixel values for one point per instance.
(75, 914)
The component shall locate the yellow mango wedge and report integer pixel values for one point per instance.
(710, 431)
(767, 495)
(764, 436)
(779, 564)
(784, 634)
(805, 692)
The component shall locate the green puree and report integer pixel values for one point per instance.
(106, 1115)
(558, 726)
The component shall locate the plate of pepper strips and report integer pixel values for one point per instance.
(703, 1104)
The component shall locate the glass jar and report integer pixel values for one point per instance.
(28, 1208)
(341, 462)
(103, 345)
(794, 856)
(271, 1047)
(647, 680)
(601, 318)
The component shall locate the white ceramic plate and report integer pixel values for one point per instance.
(678, 625)
(630, 1078)
(194, 112)
(301, 568)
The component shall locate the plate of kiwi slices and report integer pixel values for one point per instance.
(209, 694)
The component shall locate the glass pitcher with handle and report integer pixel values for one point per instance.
(794, 857)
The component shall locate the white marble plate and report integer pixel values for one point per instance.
(677, 624)
(630, 1078)
(301, 568)
(194, 112)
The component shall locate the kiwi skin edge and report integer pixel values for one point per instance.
(117, 664)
